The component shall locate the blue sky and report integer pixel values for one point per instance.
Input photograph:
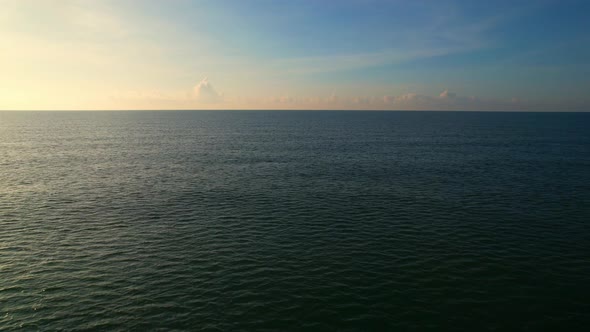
(300, 54)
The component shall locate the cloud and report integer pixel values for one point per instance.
(205, 93)
(451, 101)
(408, 101)
(205, 96)
(333, 98)
(406, 97)
(447, 94)
(355, 61)
(361, 100)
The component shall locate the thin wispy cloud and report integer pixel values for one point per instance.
(347, 62)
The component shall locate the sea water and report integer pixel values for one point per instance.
(281, 221)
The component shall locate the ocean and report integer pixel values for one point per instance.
(293, 220)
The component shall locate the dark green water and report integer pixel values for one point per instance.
(285, 221)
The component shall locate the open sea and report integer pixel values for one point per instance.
(289, 221)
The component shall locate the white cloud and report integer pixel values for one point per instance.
(205, 93)
(205, 96)
(447, 94)
(451, 101)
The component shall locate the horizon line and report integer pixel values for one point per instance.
(292, 110)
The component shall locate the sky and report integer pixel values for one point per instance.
(298, 54)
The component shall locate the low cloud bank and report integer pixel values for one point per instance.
(205, 96)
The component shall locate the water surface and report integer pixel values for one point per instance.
(286, 221)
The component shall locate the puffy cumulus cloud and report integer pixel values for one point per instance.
(447, 94)
(205, 93)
